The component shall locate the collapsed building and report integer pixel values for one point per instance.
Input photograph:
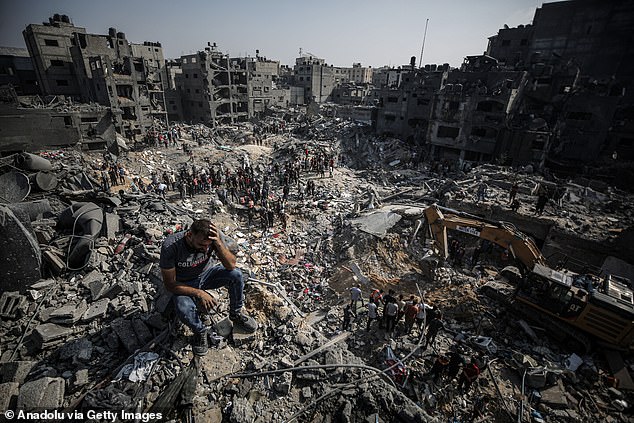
(90, 326)
(87, 324)
(106, 69)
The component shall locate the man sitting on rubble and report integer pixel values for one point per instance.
(187, 272)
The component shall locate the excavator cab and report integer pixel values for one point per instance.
(552, 291)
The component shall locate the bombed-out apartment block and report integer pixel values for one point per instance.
(352, 94)
(315, 77)
(554, 93)
(318, 79)
(215, 88)
(106, 69)
(35, 128)
(16, 71)
(405, 100)
(581, 69)
(469, 111)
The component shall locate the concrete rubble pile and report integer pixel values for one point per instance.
(86, 323)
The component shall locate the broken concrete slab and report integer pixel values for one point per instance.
(15, 371)
(95, 310)
(49, 332)
(555, 396)
(112, 225)
(21, 249)
(124, 330)
(224, 327)
(79, 349)
(10, 304)
(44, 393)
(9, 395)
(69, 314)
(377, 223)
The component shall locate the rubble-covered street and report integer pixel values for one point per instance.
(316, 205)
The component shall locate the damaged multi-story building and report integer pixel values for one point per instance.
(17, 76)
(470, 110)
(405, 100)
(215, 88)
(553, 93)
(106, 69)
(315, 77)
(581, 67)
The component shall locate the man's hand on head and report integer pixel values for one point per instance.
(213, 234)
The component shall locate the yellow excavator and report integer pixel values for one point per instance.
(601, 307)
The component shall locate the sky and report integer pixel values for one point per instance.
(371, 32)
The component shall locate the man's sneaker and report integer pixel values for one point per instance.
(244, 322)
(200, 344)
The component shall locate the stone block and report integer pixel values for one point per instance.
(8, 395)
(554, 397)
(80, 378)
(44, 393)
(69, 314)
(21, 249)
(48, 332)
(97, 309)
(15, 371)
(79, 349)
(142, 332)
(124, 330)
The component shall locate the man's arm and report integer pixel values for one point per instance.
(226, 257)
(202, 297)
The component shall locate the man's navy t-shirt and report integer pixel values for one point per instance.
(189, 263)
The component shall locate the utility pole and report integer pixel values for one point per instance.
(420, 62)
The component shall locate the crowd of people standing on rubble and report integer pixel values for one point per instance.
(263, 194)
(398, 316)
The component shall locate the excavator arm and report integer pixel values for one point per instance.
(503, 234)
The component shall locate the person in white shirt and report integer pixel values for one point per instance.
(391, 311)
(355, 295)
(420, 316)
(161, 189)
(372, 313)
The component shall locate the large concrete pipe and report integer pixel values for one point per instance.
(86, 220)
(46, 181)
(30, 161)
(14, 187)
(33, 209)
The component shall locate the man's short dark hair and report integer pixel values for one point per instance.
(200, 227)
